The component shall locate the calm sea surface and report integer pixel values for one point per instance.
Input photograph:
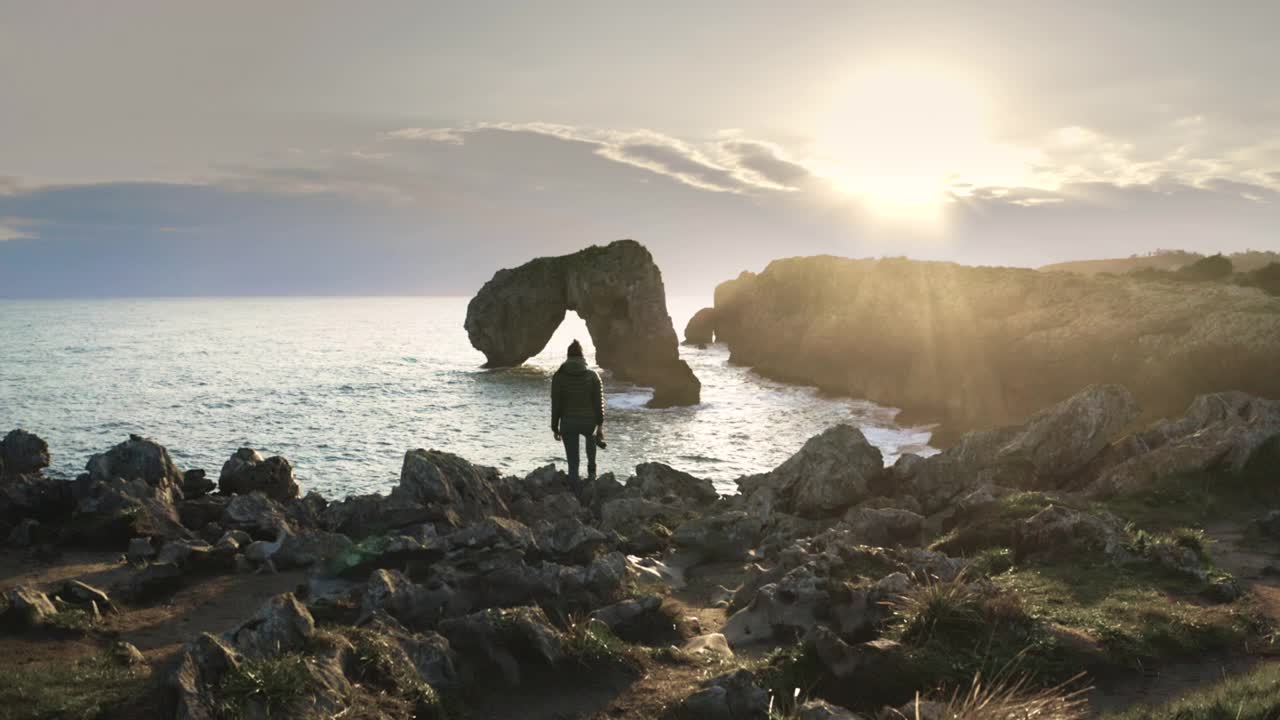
(343, 387)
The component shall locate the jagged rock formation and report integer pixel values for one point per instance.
(977, 347)
(618, 291)
(701, 328)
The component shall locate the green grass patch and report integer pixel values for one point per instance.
(592, 646)
(1136, 613)
(1197, 499)
(382, 664)
(1250, 696)
(274, 685)
(954, 630)
(85, 689)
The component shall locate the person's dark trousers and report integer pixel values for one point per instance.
(572, 428)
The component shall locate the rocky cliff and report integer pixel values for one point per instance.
(616, 289)
(976, 347)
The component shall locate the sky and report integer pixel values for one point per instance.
(249, 148)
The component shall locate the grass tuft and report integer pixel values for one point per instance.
(275, 685)
(1005, 698)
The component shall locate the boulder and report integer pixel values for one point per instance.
(701, 328)
(247, 471)
(198, 675)
(360, 516)
(127, 654)
(137, 458)
(152, 582)
(1218, 432)
(724, 536)
(1051, 449)
(502, 645)
(34, 496)
(796, 603)
(391, 592)
(711, 645)
(618, 291)
(663, 483)
(255, 514)
(281, 625)
(195, 484)
(569, 541)
(83, 594)
(22, 453)
(458, 491)
(1057, 531)
(833, 470)
(886, 527)
(27, 607)
(306, 547)
(729, 697)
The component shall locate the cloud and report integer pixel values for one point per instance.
(766, 161)
(437, 211)
(737, 167)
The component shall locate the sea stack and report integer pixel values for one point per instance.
(616, 289)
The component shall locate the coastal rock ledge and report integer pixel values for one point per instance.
(616, 289)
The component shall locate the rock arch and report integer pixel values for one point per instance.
(616, 289)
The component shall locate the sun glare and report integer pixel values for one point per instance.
(899, 137)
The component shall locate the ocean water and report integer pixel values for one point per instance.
(343, 387)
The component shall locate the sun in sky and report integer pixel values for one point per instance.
(900, 136)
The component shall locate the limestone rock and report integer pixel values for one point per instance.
(195, 484)
(663, 483)
(833, 470)
(247, 471)
(568, 540)
(199, 673)
(1221, 431)
(1051, 449)
(618, 291)
(723, 536)
(256, 514)
(885, 526)
(360, 516)
(22, 452)
(701, 328)
(27, 607)
(711, 645)
(449, 484)
(729, 697)
(34, 496)
(281, 625)
(137, 458)
(154, 581)
(502, 644)
(1057, 531)
(306, 547)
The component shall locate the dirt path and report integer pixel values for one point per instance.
(204, 604)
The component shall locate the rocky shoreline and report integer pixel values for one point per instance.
(818, 585)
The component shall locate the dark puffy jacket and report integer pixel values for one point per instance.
(576, 392)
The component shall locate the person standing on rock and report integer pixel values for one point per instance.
(577, 410)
